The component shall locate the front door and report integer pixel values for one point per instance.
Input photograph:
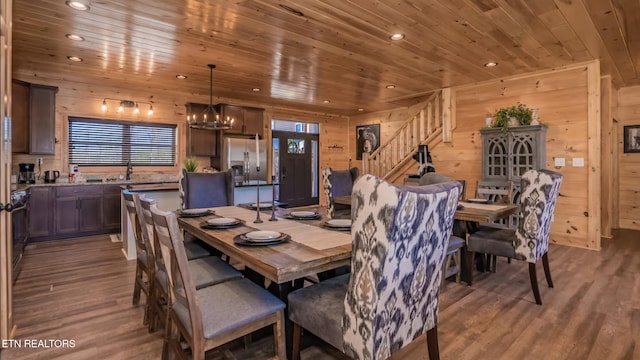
(6, 244)
(297, 168)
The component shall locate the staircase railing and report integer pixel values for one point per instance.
(433, 120)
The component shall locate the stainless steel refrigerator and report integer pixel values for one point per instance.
(239, 153)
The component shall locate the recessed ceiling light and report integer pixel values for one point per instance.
(390, 86)
(396, 37)
(326, 101)
(74, 37)
(360, 109)
(74, 58)
(255, 89)
(77, 5)
(181, 77)
(491, 64)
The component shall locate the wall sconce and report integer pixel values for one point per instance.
(122, 104)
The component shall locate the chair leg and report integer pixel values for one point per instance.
(279, 337)
(458, 260)
(297, 333)
(470, 264)
(432, 343)
(534, 283)
(137, 285)
(547, 273)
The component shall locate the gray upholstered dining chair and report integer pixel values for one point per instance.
(145, 267)
(205, 190)
(390, 298)
(453, 261)
(206, 270)
(530, 240)
(209, 317)
(338, 183)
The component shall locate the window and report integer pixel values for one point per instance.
(102, 142)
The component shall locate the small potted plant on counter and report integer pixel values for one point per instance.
(191, 164)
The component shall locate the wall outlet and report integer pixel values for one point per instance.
(558, 162)
(578, 162)
(39, 161)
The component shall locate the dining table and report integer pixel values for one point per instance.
(470, 215)
(311, 249)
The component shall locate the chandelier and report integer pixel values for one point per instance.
(127, 104)
(209, 117)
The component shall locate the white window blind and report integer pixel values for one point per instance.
(103, 142)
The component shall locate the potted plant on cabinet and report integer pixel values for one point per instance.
(512, 116)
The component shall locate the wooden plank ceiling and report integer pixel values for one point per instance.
(334, 50)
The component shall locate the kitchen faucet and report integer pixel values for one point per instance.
(129, 170)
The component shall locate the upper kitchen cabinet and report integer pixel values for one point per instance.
(34, 109)
(246, 120)
(201, 140)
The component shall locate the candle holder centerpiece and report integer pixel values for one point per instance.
(258, 220)
(273, 199)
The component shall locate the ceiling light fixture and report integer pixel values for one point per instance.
(126, 104)
(74, 58)
(181, 77)
(360, 109)
(326, 101)
(491, 64)
(74, 37)
(396, 37)
(209, 117)
(391, 86)
(77, 5)
(255, 89)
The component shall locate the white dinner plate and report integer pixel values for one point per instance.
(263, 235)
(222, 221)
(342, 223)
(478, 201)
(193, 211)
(303, 214)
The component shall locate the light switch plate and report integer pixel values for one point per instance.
(578, 162)
(559, 162)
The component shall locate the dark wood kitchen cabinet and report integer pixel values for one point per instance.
(41, 201)
(247, 120)
(78, 209)
(61, 212)
(111, 207)
(33, 124)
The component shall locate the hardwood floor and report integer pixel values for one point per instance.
(80, 290)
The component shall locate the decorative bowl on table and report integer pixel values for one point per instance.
(194, 212)
(221, 223)
(338, 224)
(261, 238)
(303, 215)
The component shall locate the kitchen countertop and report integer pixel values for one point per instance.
(117, 182)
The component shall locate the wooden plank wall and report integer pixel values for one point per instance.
(607, 156)
(628, 179)
(84, 99)
(562, 97)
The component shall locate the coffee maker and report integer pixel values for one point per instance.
(26, 175)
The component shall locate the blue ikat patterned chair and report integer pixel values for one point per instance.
(530, 240)
(338, 183)
(400, 237)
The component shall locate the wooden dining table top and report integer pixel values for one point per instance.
(311, 249)
(480, 213)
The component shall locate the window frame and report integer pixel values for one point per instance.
(125, 144)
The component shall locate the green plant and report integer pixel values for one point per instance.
(503, 116)
(191, 164)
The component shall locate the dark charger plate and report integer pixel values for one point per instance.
(194, 215)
